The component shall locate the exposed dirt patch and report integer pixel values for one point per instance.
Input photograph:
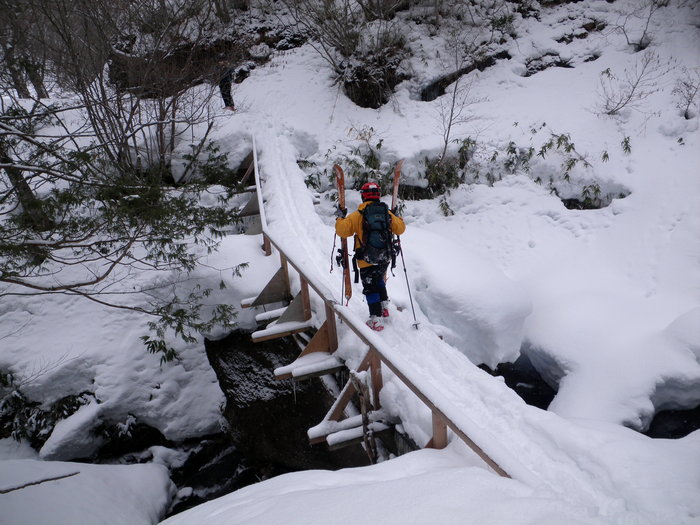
(437, 88)
(584, 31)
(540, 63)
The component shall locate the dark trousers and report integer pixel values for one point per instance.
(225, 89)
(374, 287)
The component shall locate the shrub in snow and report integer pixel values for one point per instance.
(686, 92)
(643, 13)
(361, 163)
(631, 89)
(369, 79)
(442, 173)
(27, 420)
(360, 42)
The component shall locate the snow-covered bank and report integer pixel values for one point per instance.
(33, 492)
(446, 486)
(64, 346)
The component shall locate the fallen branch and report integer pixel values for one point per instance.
(5, 491)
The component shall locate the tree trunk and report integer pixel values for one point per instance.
(173, 128)
(221, 10)
(18, 80)
(36, 77)
(31, 205)
(162, 115)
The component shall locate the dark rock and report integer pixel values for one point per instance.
(164, 74)
(549, 3)
(122, 440)
(214, 468)
(269, 418)
(537, 64)
(169, 72)
(525, 380)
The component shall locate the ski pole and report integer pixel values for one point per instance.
(408, 286)
(335, 236)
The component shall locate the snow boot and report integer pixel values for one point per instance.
(385, 308)
(375, 323)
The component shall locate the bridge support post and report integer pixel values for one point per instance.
(267, 245)
(285, 271)
(375, 370)
(305, 300)
(439, 439)
(332, 330)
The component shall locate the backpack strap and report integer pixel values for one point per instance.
(361, 242)
(355, 268)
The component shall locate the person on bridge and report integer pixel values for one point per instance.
(372, 224)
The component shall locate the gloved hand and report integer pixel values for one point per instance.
(395, 210)
(340, 213)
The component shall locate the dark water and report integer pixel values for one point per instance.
(674, 424)
(525, 380)
(214, 467)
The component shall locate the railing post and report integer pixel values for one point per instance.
(375, 370)
(267, 245)
(368, 437)
(330, 325)
(285, 269)
(439, 432)
(305, 301)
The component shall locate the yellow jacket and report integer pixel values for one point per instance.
(352, 225)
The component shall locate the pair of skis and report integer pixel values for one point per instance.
(344, 257)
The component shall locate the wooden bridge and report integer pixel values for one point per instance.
(318, 356)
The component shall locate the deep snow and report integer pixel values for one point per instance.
(607, 301)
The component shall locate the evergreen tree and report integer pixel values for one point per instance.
(72, 223)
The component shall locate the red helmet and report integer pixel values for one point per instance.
(370, 191)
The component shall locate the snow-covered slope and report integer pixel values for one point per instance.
(612, 294)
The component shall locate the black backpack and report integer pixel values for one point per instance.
(376, 245)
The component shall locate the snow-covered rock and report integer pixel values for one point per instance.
(60, 493)
(476, 307)
(74, 437)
